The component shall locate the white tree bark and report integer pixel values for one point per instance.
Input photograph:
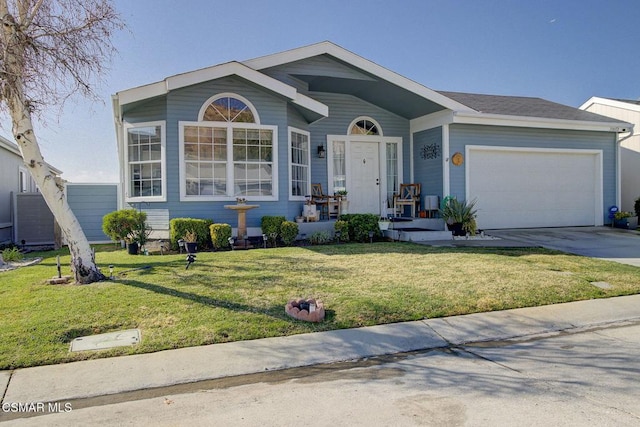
(14, 56)
(52, 189)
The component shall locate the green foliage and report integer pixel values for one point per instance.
(271, 226)
(288, 232)
(320, 238)
(456, 212)
(11, 254)
(342, 227)
(636, 206)
(125, 224)
(178, 228)
(622, 215)
(220, 234)
(360, 225)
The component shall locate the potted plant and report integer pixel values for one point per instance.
(460, 216)
(625, 219)
(140, 235)
(125, 224)
(190, 241)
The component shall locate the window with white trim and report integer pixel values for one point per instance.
(364, 126)
(299, 161)
(228, 153)
(145, 158)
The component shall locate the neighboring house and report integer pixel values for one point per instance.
(267, 128)
(628, 111)
(23, 213)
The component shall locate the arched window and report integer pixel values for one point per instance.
(227, 153)
(228, 108)
(364, 126)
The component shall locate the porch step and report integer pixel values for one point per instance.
(417, 235)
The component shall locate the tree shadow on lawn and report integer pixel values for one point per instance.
(276, 311)
(383, 248)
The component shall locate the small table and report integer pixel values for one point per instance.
(242, 217)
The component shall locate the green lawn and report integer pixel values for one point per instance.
(240, 295)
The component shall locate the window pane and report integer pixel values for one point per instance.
(205, 134)
(206, 152)
(190, 152)
(156, 151)
(192, 187)
(191, 170)
(239, 153)
(190, 134)
(220, 153)
(213, 114)
(206, 170)
(253, 153)
(339, 166)
(206, 187)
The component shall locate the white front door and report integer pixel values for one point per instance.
(364, 186)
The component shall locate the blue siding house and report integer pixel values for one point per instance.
(267, 128)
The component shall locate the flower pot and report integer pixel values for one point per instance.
(383, 225)
(133, 248)
(456, 229)
(192, 247)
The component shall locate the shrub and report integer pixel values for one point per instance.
(271, 226)
(320, 238)
(178, 228)
(360, 225)
(288, 232)
(220, 234)
(636, 206)
(11, 254)
(342, 227)
(124, 224)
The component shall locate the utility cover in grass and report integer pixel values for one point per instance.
(108, 340)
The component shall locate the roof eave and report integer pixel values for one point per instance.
(539, 122)
(609, 102)
(217, 72)
(328, 48)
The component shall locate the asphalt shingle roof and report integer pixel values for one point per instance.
(525, 107)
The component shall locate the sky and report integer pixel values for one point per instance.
(562, 50)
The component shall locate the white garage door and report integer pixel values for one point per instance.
(521, 188)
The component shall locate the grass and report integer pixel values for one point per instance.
(240, 295)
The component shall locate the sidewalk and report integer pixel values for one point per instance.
(60, 383)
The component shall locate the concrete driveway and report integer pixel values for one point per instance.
(607, 243)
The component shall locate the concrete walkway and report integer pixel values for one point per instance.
(612, 244)
(102, 377)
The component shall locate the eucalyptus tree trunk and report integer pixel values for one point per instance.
(52, 188)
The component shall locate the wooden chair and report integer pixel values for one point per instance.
(409, 195)
(327, 205)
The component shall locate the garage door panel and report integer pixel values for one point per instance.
(519, 188)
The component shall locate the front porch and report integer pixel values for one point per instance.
(401, 229)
